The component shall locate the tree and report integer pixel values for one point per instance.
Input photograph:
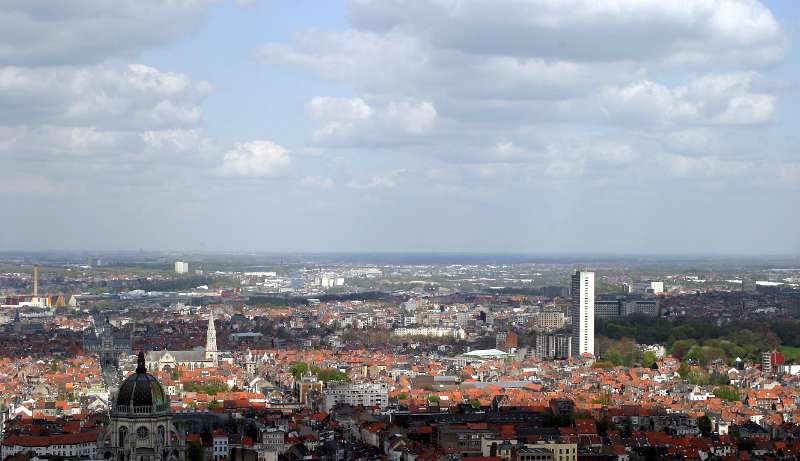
(613, 356)
(298, 369)
(195, 452)
(684, 370)
(649, 359)
(330, 374)
(704, 424)
(682, 347)
(213, 404)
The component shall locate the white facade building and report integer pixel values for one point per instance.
(181, 267)
(366, 394)
(80, 445)
(583, 313)
(657, 287)
(436, 332)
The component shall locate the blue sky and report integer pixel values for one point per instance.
(608, 126)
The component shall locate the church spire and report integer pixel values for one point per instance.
(211, 339)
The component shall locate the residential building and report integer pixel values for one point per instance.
(553, 346)
(80, 445)
(550, 320)
(582, 313)
(181, 267)
(364, 394)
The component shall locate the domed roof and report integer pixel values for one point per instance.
(141, 393)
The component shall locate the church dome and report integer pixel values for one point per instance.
(141, 393)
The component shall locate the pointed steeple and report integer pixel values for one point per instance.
(211, 339)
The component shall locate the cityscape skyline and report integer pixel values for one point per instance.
(399, 230)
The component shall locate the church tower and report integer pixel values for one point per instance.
(211, 340)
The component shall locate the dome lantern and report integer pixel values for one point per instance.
(141, 393)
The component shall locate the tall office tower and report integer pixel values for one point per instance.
(181, 267)
(582, 313)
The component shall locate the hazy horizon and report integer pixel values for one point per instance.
(398, 126)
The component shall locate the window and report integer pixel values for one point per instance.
(142, 432)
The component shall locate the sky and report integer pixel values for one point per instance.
(515, 126)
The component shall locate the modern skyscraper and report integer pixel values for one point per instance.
(582, 313)
(181, 267)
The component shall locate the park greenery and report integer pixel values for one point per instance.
(210, 388)
(729, 393)
(696, 341)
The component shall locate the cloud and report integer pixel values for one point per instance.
(31, 186)
(260, 158)
(122, 114)
(91, 31)
(616, 153)
(317, 182)
(790, 173)
(176, 140)
(354, 121)
(691, 32)
(706, 167)
(726, 99)
(387, 180)
(544, 80)
(134, 96)
(402, 63)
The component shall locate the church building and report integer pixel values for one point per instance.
(141, 426)
(170, 360)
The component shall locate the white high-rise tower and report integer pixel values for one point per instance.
(582, 313)
(211, 339)
(181, 267)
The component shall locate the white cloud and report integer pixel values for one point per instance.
(387, 180)
(706, 167)
(413, 117)
(90, 31)
(256, 159)
(119, 115)
(354, 121)
(725, 99)
(176, 140)
(646, 99)
(531, 73)
(748, 109)
(133, 97)
(699, 32)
